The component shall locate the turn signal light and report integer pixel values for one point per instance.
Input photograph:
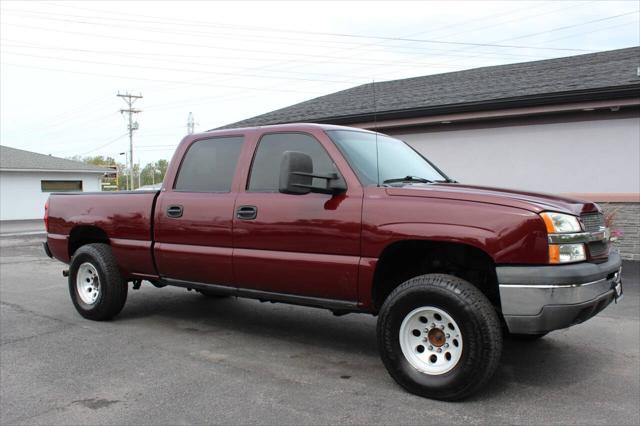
(566, 253)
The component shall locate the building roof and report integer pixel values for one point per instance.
(595, 76)
(18, 159)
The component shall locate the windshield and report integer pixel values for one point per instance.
(398, 162)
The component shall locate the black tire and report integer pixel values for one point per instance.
(113, 288)
(525, 337)
(479, 326)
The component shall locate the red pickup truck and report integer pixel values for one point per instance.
(352, 221)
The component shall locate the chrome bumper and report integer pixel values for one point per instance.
(537, 299)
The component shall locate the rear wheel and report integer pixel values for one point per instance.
(439, 337)
(97, 289)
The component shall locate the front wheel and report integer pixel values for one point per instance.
(439, 337)
(97, 289)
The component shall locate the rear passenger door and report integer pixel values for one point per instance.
(193, 220)
(304, 245)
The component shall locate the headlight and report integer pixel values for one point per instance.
(560, 223)
(566, 253)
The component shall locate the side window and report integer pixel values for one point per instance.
(209, 165)
(265, 171)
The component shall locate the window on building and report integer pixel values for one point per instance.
(209, 165)
(265, 171)
(61, 185)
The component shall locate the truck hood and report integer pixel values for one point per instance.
(531, 201)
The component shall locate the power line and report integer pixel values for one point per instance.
(572, 26)
(553, 30)
(594, 31)
(217, 35)
(192, 23)
(105, 145)
(326, 33)
(322, 59)
(153, 80)
(176, 69)
(443, 42)
(393, 38)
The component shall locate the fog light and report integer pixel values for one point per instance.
(566, 253)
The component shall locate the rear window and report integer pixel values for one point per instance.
(209, 165)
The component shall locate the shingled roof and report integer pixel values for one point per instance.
(18, 159)
(604, 75)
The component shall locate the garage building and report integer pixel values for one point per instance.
(566, 126)
(27, 179)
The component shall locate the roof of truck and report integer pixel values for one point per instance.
(287, 127)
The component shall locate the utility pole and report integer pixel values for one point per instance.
(191, 124)
(133, 125)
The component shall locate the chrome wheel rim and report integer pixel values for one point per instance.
(88, 283)
(431, 340)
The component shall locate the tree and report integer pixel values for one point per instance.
(96, 160)
(153, 173)
(100, 160)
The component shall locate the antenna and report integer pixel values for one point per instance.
(375, 128)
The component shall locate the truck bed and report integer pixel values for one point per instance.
(125, 218)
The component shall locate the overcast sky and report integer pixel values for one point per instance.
(62, 63)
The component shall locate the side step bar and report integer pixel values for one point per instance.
(266, 296)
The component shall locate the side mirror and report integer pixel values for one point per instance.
(296, 176)
(295, 170)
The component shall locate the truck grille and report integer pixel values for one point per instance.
(598, 248)
(592, 221)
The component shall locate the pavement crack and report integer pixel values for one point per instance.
(24, 310)
(95, 403)
(21, 339)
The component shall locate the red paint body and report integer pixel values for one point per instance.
(311, 245)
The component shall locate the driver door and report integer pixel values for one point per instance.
(304, 245)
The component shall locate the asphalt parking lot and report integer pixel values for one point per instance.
(175, 357)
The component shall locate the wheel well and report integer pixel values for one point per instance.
(407, 259)
(82, 235)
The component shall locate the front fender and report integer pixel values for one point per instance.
(480, 238)
(507, 239)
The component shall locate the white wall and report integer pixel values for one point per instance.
(21, 196)
(598, 156)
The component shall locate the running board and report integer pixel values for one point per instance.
(267, 296)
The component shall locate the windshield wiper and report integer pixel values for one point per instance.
(408, 179)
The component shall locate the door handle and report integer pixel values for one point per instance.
(247, 212)
(175, 211)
